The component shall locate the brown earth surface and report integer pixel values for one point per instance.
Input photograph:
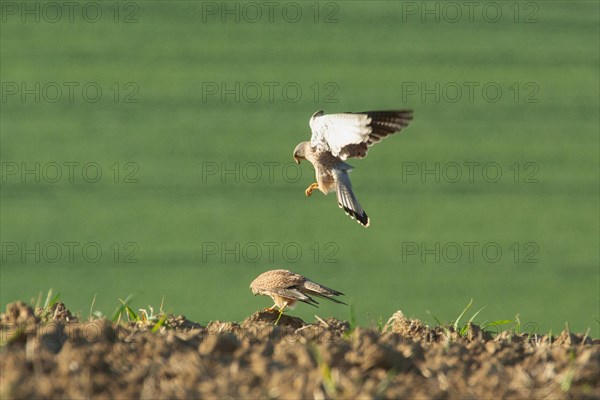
(54, 355)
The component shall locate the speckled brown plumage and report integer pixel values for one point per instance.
(286, 288)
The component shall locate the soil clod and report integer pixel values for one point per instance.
(59, 356)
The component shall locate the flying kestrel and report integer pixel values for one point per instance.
(287, 288)
(336, 137)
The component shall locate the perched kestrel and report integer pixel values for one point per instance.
(287, 288)
(336, 137)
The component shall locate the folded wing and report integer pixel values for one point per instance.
(319, 290)
(295, 294)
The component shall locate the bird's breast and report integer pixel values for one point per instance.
(326, 184)
(323, 164)
(281, 301)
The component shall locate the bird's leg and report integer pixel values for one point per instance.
(310, 189)
(271, 308)
(281, 313)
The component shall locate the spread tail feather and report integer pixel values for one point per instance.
(347, 200)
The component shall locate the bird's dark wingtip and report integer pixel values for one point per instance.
(329, 296)
(362, 219)
(310, 301)
(337, 301)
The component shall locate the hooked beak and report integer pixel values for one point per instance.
(297, 159)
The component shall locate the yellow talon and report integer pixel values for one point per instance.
(310, 189)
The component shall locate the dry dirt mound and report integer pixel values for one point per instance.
(55, 356)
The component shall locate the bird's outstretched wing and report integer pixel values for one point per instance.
(351, 134)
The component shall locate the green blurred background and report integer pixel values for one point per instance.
(168, 124)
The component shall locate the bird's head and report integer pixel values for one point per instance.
(299, 152)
